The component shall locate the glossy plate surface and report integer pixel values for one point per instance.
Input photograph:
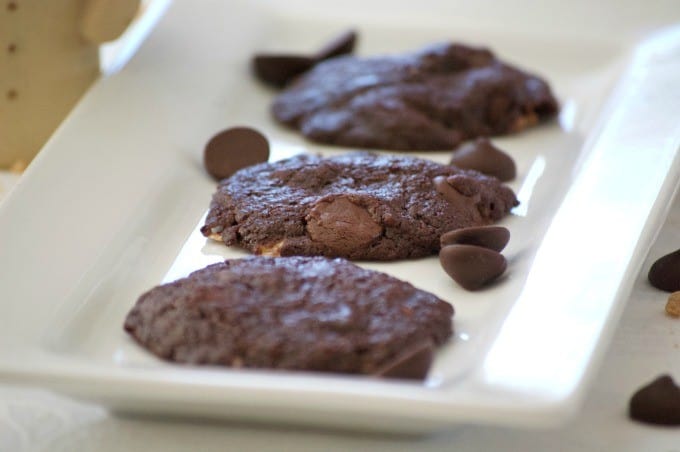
(113, 204)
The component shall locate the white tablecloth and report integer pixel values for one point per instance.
(647, 343)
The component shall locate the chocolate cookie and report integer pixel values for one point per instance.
(301, 313)
(428, 100)
(358, 206)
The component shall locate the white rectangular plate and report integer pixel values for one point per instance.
(112, 207)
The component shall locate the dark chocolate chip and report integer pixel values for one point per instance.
(657, 403)
(340, 45)
(664, 274)
(233, 149)
(471, 266)
(278, 70)
(492, 237)
(413, 364)
(484, 157)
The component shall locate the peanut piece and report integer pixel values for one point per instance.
(673, 305)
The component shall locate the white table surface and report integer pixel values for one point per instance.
(646, 344)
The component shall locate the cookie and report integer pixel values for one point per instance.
(297, 313)
(432, 99)
(357, 206)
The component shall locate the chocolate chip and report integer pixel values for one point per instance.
(342, 225)
(461, 192)
(233, 149)
(278, 70)
(664, 274)
(472, 266)
(340, 45)
(413, 364)
(657, 403)
(492, 237)
(484, 157)
(443, 185)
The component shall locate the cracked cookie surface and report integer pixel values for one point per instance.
(358, 206)
(432, 99)
(303, 313)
